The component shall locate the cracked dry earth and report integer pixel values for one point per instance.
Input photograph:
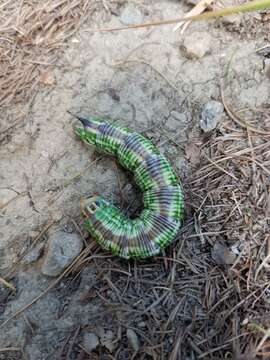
(144, 79)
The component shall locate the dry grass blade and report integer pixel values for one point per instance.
(220, 168)
(10, 349)
(176, 353)
(247, 7)
(37, 238)
(7, 284)
(240, 121)
(198, 9)
(263, 340)
(68, 356)
(2, 206)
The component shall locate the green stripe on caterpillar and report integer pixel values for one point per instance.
(161, 218)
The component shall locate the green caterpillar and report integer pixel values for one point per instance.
(160, 220)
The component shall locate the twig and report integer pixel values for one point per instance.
(7, 284)
(238, 120)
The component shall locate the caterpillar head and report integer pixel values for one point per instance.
(90, 205)
(90, 129)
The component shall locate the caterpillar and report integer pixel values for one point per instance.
(163, 204)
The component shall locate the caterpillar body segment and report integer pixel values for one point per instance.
(134, 150)
(116, 233)
(161, 218)
(104, 136)
(166, 201)
(155, 172)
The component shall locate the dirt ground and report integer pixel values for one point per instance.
(185, 304)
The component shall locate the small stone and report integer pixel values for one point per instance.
(131, 15)
(267, 67)
(231, 20)
(245, 321)
(62, 250)
(75, 40)
(212, 113)
(196, 45)
(90, 341)
(222, 255)
(100, 331)
(142, 324)
(133, 339)
(235, 248)
(107, 340)
(33, 255)
(11, 147)
(47, 78)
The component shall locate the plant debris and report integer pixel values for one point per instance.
(32, 34)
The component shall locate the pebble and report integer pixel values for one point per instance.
(196, 45)
(63, 248)
(267, 67)
(131, 15)
(133, 339)
(234, 20)
(211, 115)
(231, 20)
(142, 324)
(107, 340)
(33, 255)
(90, 341)
(222, 255)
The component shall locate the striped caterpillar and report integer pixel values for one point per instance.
(160, 220)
